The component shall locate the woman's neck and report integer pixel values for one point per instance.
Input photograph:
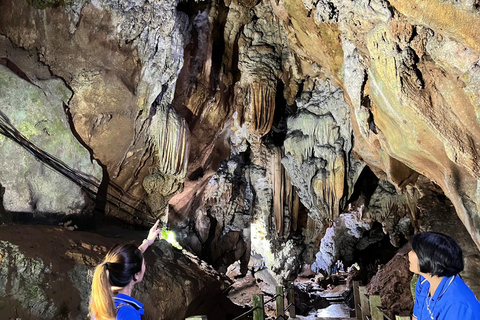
(125, 290)
(434, 283)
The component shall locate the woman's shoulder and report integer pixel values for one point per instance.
(127, 312)
(128, 307)
(459, 293)
(123, 298)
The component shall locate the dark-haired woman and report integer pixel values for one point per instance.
(114, 279)
(440, 293)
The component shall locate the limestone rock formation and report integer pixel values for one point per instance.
(35, 108)
(414, 111)
(286, 102)
(172, 144)
(317, 149)
(393, 210)
(221, 232)
(117, 58)
(46, 274)
(340, 241)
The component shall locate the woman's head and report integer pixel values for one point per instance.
(435, 254)
(121, 265)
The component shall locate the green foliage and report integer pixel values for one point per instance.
(43, 4)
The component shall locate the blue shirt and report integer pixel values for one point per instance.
(452, 300)
(128, 308)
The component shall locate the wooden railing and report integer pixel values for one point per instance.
(369, 307)
(258, 309)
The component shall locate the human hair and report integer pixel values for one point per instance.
(117, 269)
(438, 254)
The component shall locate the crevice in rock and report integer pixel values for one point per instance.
(218, 45)
(14, 68)
(365, 186)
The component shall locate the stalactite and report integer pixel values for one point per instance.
(171, 132)
(262, 108)
(286, 203)
(289, 194)
(173, 143)
(337, 183)
(314, 232)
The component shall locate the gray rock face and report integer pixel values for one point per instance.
(26, 283)
(393, 210)
(222, 227)
(156, 29)
(347, 13)
(36, 110)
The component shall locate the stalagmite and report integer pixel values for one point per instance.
(278, 189)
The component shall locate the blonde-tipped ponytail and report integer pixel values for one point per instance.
(101, 299)
(118, 269)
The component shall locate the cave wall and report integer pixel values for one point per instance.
(120, 60)
(247, 124)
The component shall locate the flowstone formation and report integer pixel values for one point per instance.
(318, 151)
(173, 145)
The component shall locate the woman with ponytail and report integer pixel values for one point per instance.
(114, 278)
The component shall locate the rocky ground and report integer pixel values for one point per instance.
(46, 274)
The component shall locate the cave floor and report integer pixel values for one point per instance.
(245, 287)
(335, 311)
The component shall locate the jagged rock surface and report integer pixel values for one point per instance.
(340, 241)
(317, 151)
(46, 274)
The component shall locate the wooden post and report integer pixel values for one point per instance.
(375, 302)
(259, 312)
(362, 290)
(356, 299)
(279, 304)
(291, 300)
